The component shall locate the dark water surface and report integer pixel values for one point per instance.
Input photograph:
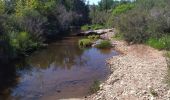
(63, 70)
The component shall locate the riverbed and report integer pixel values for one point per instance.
(62, 70)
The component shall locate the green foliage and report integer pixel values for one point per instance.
(161, 43)
(100, 13)
(118, 36)
(99, 17)
(96, 27)
(28, 23)
(133, 27)
(104, 44)
(149, 18)
(91, 27)
(2, 7)
(85, 28)
(85, 43)
(95, 87)
(93, 37)
(21, 41)
(122, 9)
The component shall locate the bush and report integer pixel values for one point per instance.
(93, 37)
(97, 26)
(91, 27)
(85, 28)
(116, 12)
(104, 44)
(133, 26)
(122, 9)
(149, 18)
(22, 41)
(118, 36)
(161, 43)
(99, 17)
(85, 42)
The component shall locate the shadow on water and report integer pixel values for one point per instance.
(63, 70)
(8, 79)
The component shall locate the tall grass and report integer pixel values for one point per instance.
(91, 27)
(85, 42)
(93, 37)
(160, 43)
(104, 44)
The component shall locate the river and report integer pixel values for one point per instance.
(61, 71)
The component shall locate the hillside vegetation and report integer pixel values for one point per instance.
(140, 21)
(27, 24)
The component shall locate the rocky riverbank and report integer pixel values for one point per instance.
(137, 74)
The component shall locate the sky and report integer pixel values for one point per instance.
(93, 1)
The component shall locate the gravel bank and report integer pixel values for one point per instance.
(137, 74)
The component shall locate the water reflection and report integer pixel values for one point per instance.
(65, 54)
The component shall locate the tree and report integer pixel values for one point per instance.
(2, 7)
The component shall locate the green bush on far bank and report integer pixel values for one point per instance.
(118, 36)
(85, 28)
(93, 37)
(22, 42)
(104, 44)
(122, 8)
(85, 42)
(91, 27)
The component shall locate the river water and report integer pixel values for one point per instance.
(61, 71)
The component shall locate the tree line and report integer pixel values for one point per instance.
(26, 24)
(136, 21)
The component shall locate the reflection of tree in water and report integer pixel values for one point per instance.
(8, 79)
(64, 54)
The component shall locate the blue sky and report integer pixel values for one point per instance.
(93, 1)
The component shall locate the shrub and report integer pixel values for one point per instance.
(149, 18)
(99, 17)
(93, 37)
(91, 27)
(116, 12)
(22, 41)
(133, 26)
(118, 36)
(85, 28)
(122, 9)
(2, 7)
(85, 42)
(160, 43)
(104, 44)
(96, 27)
